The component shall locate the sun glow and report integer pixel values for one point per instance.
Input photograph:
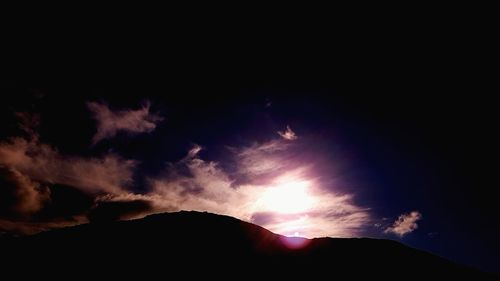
(287, 198)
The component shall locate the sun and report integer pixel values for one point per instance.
(287, 198)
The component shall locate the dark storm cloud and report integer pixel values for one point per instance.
(67, 203)
(119, 210)
(131, 121)
(263, 218)
(61, 206)
(20, 197)
(28, 206)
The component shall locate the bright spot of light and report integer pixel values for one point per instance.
(287, 198)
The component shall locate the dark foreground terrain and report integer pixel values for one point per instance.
(184, 245)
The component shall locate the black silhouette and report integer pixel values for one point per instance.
(183, 245)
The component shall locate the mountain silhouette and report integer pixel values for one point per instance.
(184, 245)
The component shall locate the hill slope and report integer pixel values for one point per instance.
(195, 244)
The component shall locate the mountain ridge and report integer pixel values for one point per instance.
(203, 241)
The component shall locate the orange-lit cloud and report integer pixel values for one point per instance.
(42, 162)
(288, 134)
(406, 223)
(110, 122)
(28, 168)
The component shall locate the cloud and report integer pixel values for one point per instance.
(50, 189)
(260, 162)
(204, 187)
(114, 210)
(67, 203)
(197, 184)
(28, 123)
(28, 206)
(406, 223)
(29, 228)
(109, 122)
(194, 151)
(333, 215)
(40, 188)
(191, 183)
(66, 206)
(20, 197)
(42, 162)
(288, 134)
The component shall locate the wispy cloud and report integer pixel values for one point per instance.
(202, 185)
(42, 162)
(110, 122)
(192, 183)
(261, 159)
(288, 134)
(193, 152)
(257, 183)
(195, 184)
(406, 223)
(28, 123)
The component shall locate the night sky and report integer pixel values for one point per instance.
(394, 143)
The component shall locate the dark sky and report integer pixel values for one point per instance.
(406, 123)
